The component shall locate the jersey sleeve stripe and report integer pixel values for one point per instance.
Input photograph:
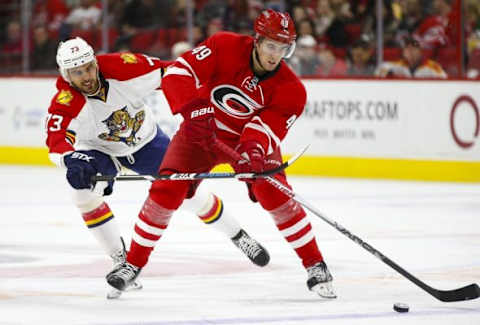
(186, 64)
(177, 71)
(223, 127)
(258, 128)
(267, 128)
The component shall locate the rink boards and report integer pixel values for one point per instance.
(424, 130)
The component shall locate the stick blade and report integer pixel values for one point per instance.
(297, 155)
(469, 292)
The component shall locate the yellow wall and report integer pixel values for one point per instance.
(405, 169)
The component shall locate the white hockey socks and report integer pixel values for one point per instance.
(210, 209)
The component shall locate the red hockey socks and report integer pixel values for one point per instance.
(292, 222)
(152, 221)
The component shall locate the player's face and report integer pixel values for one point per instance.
(270, 53)
(85, 77)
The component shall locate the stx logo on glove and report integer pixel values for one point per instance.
(82, 156)
(201, 111)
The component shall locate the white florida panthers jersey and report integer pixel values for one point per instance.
(116, 121)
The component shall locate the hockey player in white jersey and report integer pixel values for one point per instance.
(98, 123)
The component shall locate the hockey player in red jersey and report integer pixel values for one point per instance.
(235, 89)
(98, 123)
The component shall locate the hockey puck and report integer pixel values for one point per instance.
(401, 307)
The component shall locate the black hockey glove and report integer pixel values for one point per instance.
(80, 169)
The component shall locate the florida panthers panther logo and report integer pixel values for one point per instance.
(233, 101)
(122, 127)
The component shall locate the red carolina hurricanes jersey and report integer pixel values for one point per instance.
(117, 121)
(247, 107)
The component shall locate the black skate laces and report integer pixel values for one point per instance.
(127, 271)
(320, 272)
(249, 246)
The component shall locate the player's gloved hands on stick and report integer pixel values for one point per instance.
(199, 121)
(253, 158)
(80, 169)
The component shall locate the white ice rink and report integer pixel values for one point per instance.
(52, 272)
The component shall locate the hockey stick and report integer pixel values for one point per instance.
(194, 176)
(468, 292)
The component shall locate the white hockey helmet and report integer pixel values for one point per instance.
(73, 53)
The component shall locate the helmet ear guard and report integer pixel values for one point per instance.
(73, 53)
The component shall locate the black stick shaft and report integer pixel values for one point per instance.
(468, 292)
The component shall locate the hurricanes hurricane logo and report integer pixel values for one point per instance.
(233, 101)
(122, 127)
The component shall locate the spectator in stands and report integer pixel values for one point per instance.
(472, 31)
(277, 5)
(82, 21)
(50, 13)
(115, 10)
(211, 10)
(299, 13)
(411, 18)
(145, 14)
(13, 37)
(214, 26)
(305, 61)
(198, 35)
(473, 67)
(85, 16)
(9, 10)
(44, 50)
(328, 64)
(434, 31)
(255, 7)
(336, 32)
(179, 48)
(390, 24)
(361, 58)
(324, 17)
(413, 64)
(244, 27)
(361, 9)
(305, 27)
(11, 50)
(472, 25)
(236, 11)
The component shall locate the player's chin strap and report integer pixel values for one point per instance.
(468, 292)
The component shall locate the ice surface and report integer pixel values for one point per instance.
(52, 271)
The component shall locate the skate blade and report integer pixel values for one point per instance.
(115, 293)
(324, 290)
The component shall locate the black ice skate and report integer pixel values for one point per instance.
(320, 280)
(118, 258)
(123, 276)
(250, 247)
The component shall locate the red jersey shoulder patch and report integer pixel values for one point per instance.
(125, 66)
(67, 101)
